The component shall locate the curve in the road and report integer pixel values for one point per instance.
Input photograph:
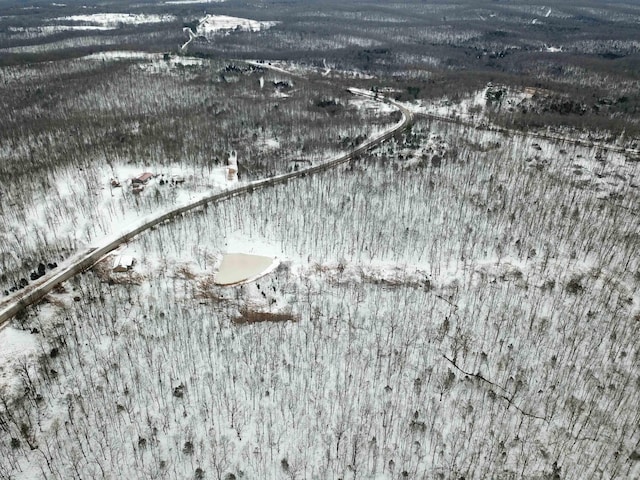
(84, 260)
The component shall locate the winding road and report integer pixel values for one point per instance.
(85, 259)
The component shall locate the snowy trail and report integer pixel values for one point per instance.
(85, 259)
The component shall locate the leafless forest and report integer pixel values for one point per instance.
(459, 302)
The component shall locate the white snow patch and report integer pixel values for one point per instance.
(270, 143)
(211, 24)
(15, 346)
(177, 185)
(171, 64)
(117, 19)
(375, 107)
(471, 108)
(376, 272)
(301, 70)
(51, 29)
(122, 55)
(221, 23)
(149, 62)
(240, 242)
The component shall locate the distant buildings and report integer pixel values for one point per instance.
(138, 183)
(142, 179)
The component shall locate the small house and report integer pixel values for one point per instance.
(122, 263)
(531, 91)
(142, 179)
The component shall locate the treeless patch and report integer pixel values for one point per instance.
(104, 271)
(238, 268)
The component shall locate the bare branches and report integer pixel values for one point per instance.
(509, 399)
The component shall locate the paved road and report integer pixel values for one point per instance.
(83, 260)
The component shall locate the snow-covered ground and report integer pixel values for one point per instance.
(417, 271)
(211, 24)
(115, 201)
(84, 41)
(457, 303)
(470, 108)
(122, 55)
(155, 62)
(61, 214)
(474, 109)
(97, 22)
(472, 315)
(17, 351)
(53, 29)
(114, 20)
(374, 107)
(302, 70)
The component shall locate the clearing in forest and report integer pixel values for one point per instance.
(238, 268)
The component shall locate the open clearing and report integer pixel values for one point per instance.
(238, 268)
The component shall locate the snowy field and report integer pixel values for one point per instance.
(113, 20)
(471, 108)
(88, 23)
(210, 25)
(220, 23)
(18, 347)
(53, 29)
(59, 216)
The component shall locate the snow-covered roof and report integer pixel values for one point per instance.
(122, 262)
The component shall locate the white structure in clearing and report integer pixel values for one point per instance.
(122, 263)
(232, 166)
